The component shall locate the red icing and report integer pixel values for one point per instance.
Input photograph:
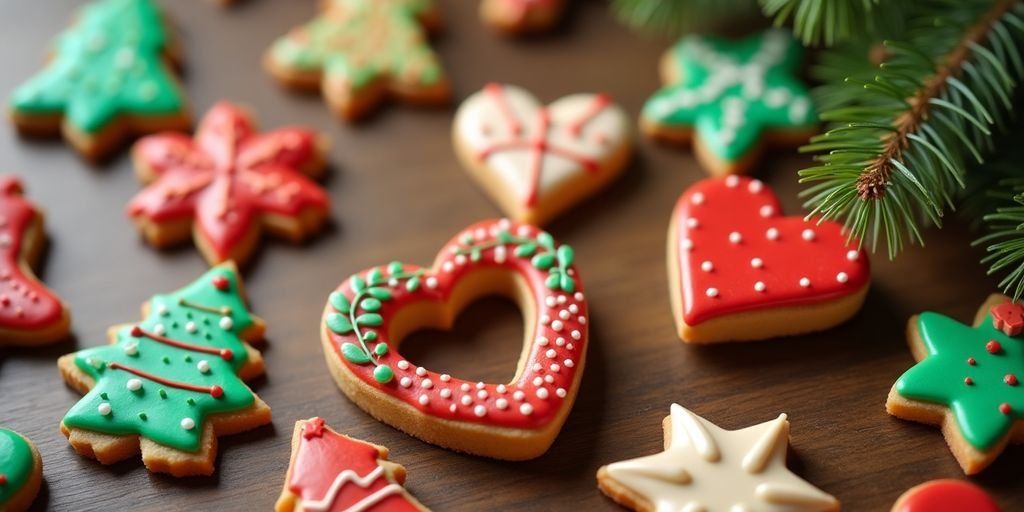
(542, 410)
(321, 458)
(946, 496)
(214, 391)
(971, 361)
(539, 145)
(3, 479)
(313, 428)
(220, 283)
(1010, 379)
(707, 215)
(969, 381)
(227, 176)
(25, 303)
(993, 347)
(1009, 318)
(1005, 408)
(224, 353)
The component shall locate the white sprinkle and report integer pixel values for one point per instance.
(188, 424)
(542, 393)
(755, 186)
(757, 263)
(501, 404)
(447, 266)
(687, 244)
(421, 371)
(500, 254)
(104, 409)
(445, 377)
(504, 223)
(464, 386)
(403, 365)
(732, 181)
(692, 223)
(707, 266)
(424, 399)
(808, 234)
(568, 363)
(576, 335)
(160, 330)
(134, 384)
(537, 381)
(203, 366)
(542, 341)
(550, 301)
(460, 259)
(560, 341)
(405, 382)
(526, 409)
(519, 395)
(131, 348)
(711, 292)
(561, 392)
(804, 282)
(569, 346)
(191, 327)
(466, 400)
(92, 361)
(697, 198)
(482, 394)
(549, 379)
(523, 230)
(452, 408)
(759, 286)
(446, 393)
(579, 296)
(431, 282)
(162, 310)
(853, 255)
(767, 211)
(393, 282)
(480, 411)
(226, 323)
(772, 234)
(501, 388)
(564, 314)
(561, 298)
(556, 325)
(551, 353)
(735, 237)
(582, 320)
(544, 319)
(426, 384)
(480, 385)
(573, 308)
(555, 368)
(842, 277)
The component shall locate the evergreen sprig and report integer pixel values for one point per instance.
(674, 16)
(829, 22)
(900, 141)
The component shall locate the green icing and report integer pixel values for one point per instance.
(16, 464)
(940, 377)
(356, 41)
(156, 410)
(729, 91)
(109, 63)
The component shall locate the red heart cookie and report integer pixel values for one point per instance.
(741, 271)
(368, 315)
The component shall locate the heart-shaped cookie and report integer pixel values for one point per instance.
(739, 270)
(537, 161)
(371, 312)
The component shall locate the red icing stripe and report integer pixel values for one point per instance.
(224, 353)
(214, 391)
(497, 93)
(601, 101)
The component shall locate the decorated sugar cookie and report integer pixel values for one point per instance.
(331, 471)
(30, 313)
(227, 184)
(169, 385)
(705, 467)
(536, 161)
(740, 270)
(21, 471)
(945, 496)
(521, 16)
(967, 380)
(731, 98)
(360, 52)
(367, 316)
(110, 78)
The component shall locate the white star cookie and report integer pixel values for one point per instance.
(707, 469)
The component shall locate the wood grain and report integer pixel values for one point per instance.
(399, 193)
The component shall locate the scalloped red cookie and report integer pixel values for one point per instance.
(30, 313)
(368, 315)
(537, 161)
(945, 496)
(739, 270)
(227, 184)
(331, 471)
(517, 17)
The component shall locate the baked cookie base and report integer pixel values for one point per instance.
(507, 18)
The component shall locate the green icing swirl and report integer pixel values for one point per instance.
(16, 464)
(109, 63)
(731, 91)
(940, 377)
(156, 411)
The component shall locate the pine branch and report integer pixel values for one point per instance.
(830, 22)
(900, 142)
(675, 16)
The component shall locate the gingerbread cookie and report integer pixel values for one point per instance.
(945, 496)
(227, 184)
(517, 17)
(536, 161)
(21, 471)
(705, 467)
(368, 315)
(966, 381)
(169, 385)
(739, 270)
(360, 52)
(331, 471)
(30, 313)
(110, 78)
(730, 98)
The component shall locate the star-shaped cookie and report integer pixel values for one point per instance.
(706, 468)
(967, 381)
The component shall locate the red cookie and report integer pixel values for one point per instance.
(30, 313)
(739, 270)
(945, 496)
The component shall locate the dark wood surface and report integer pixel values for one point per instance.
(400, 194)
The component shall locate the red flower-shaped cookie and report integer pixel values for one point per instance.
(741, 271)
(30, 313)
(230, 182)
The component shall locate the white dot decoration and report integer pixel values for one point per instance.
(556, 325)
(735, 237)
(767, 211)
(482, 394)
(526, 409)
(759, 286)
(421, 371)
(446, 393)
(501, 404)
(460, 259)
(466, 400)
(203, 366)
(480, 385)
(732, 181)
(445, 377)
(853, 255)
(692, 223)
(579, 296)
(162, 310)
(104, 409)
(807, 234)
(755, 186)
(405, 382)
(191, 327)
(542, 341)
(519, 395)
(564, 314)
(188, 423)
(551, 353)
(804, 282)
(452, 408)
(772, 234)
(501, 388)
(549, 379)
(560, 341)
(131, 349)
(842, 277)
(447, 266)
(555, 368)
(707, 266)
(426, 384)
(697, 198)
(431, 282)
(403, 365)
(226, 323)
(573, 308)
(756, 262)
(711, 292)
(464, 386)
(160, 330)
(480, 411)
(561, 392)
(687, 244)
(424, 399)
(538, 381)
(576, 335)
(568, 363)
(550, 301)
(542, 393)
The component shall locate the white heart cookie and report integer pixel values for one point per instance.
(536, 161)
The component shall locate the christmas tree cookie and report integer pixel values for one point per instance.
(30, 313)
(330, 471)
(730, 98)
(536, 161)
(521, 16)
(21, 471)
(705, 467)
(227, 184)
(366, 317)
(967, 381)
(740, 270)
(110, 78)
(360, 52)
(169, 385)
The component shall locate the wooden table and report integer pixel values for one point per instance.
(400, 194)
